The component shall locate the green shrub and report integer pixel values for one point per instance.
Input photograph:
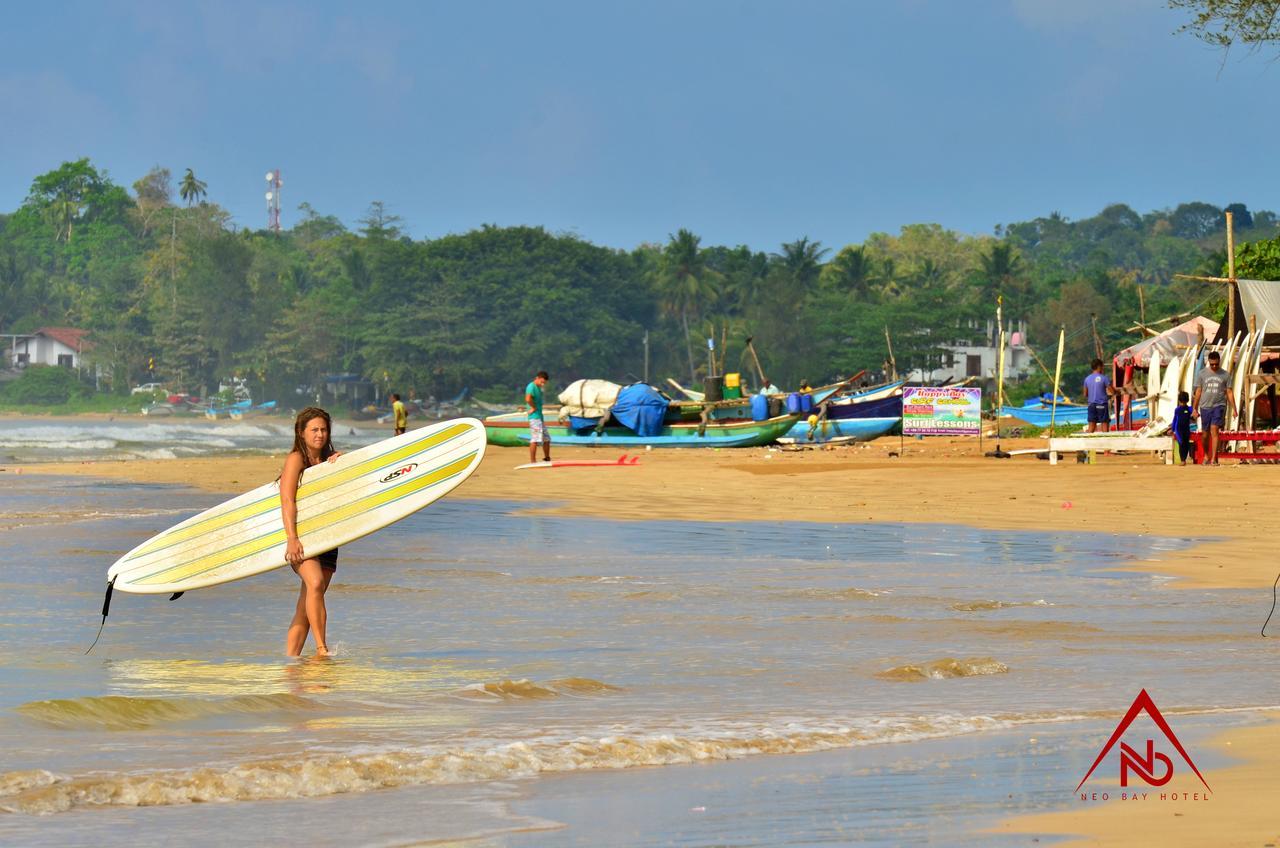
(45, 384)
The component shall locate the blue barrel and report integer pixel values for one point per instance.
(806, 403)
(759, 407)
(793, 403)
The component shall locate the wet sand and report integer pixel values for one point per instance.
(939, 480)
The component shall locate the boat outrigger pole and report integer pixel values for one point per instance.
(756, 360)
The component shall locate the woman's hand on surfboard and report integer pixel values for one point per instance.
(333, 457)
(293, 553)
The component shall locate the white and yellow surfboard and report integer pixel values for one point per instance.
(338, 502)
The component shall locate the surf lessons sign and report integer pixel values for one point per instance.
(941, 411)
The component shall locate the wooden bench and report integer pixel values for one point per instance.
(1112, 442)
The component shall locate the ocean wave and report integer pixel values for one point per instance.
(945, 669)
(315, 773)
(375, 588)
(982, 606)
(851, 593)
(118, 712)
(320, 774)
(508, 690)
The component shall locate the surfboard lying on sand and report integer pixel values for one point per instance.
(620, 462)
(338, 502)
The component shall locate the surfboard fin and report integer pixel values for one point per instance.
(106, 608)
(176, 595)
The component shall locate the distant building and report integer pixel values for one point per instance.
(49, 346)
(978, 359)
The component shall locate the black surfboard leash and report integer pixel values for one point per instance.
(1273, 606)
(106, 607)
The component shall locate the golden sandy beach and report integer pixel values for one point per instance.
(938, 480)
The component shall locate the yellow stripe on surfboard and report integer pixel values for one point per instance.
(185, 571)
(272, 502)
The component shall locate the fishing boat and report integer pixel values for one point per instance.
(512, 430)
(864, 416)
(213, 413)
(237, 413)
(856, 429)
(1039, 416)
(819, 394)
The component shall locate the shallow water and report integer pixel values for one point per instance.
(480, 647)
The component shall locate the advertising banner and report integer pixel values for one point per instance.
(941, 411)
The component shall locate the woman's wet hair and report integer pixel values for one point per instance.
(304, 418)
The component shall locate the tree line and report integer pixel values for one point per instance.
(172, 290)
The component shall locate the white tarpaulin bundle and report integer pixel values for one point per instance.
(1260, 298)
(1174, 340)
(588, 398)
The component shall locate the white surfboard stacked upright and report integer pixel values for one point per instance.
(338, 502)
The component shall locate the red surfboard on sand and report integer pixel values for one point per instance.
(620, 462)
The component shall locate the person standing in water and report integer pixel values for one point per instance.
(537, 426)
(311, 446)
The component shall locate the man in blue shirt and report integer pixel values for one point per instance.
(1097, 391)
(537, 427)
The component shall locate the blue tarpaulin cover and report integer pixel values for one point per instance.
(642, 408)
(577, 422)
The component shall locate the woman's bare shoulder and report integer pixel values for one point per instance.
(293, 462)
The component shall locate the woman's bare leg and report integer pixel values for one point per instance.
(298, 628)
(315, 581)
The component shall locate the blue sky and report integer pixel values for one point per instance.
(746, 122)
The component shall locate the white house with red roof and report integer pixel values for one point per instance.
(49, 346)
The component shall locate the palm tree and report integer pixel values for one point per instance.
(803, 260)
(191, 189)
(1002, 267)
(851, 271)
(685, 283)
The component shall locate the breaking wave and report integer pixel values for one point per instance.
(117, 712)
(851, 593)
(43, 792)
(945, 669)
(982, 606)
(508, 690)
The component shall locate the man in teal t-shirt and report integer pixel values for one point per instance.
(537, 427)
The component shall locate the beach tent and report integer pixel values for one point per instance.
(1171, 341)
(1261, 300)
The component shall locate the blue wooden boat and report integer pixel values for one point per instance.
(861, 429)
(1039, 416)
(882, 407)
(513, 429)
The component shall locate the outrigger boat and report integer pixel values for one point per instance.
(512, 430)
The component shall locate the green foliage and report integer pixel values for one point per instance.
(178, 285)
(1226, 23)
(45, 384)
(1258, 260)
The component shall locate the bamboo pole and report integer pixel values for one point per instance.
(893, 363)
(1057, 378)
(756, 360)
(1231, 277)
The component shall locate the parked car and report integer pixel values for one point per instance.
(146, 388)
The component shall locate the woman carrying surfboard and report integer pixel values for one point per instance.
(311, 446)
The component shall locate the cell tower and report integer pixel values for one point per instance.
(274, 183)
